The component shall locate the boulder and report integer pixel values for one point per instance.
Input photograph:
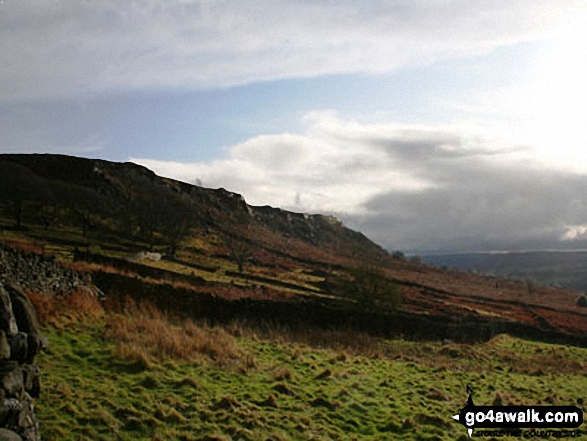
(9, 435)
(7, 320)
(23, 310)
(11, 378)
(19, 347)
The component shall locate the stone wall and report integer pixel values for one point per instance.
(20, 341)
(36, 272)
(20, 337)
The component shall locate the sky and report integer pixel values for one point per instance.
(428, 125)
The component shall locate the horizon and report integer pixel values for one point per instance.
(454, 127)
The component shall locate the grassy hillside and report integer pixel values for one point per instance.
(287, 357)
(140, 376)
(138, 233)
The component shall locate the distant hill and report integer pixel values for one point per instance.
(129, 200)
(558, 268)
(207, 253)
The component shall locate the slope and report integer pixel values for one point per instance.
(207, 252)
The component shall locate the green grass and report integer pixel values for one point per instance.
(295, 387)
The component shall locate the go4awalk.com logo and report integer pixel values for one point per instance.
(519, 417)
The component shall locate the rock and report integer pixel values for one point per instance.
(23, 311)
(32, 380)
(7, 320)
(27, 421)
(147, 255)
(11, 406)
(9, 435)
(4, 346)
(17, 409)
(11, 378)
(20, 337)
(19, 347)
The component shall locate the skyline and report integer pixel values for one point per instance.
(428, 126)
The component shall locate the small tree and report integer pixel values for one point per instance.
(370, 289)
(236, 232)
(582, 301)
(239, 250)
(174, 221)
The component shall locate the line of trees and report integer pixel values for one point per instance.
(147, 211)
(24, 196)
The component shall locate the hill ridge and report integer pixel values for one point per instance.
(101, 217)
(86, 172)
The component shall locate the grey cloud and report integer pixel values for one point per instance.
(481, 206)
(428, 146)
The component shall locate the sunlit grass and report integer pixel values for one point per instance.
(144, 376)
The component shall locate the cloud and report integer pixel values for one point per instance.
(575, 232)
(68, 47)
(411, 187)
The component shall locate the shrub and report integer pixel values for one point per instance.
(144, 334)
(582, 301)
(398, 255)
(370, 289)
(77, 305)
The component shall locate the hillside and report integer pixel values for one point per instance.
(127, 371)
(208, 254)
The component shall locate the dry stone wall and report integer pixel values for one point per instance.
(36, 272)
(20, 341)
(20, 336)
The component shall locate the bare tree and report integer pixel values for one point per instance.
(240, 250)
(236, 234)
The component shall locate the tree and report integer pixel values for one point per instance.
(370, 289)
(236, 231)
(174, 219)
(84, 203)
(162, 212)
(45, 208)
(239, 250)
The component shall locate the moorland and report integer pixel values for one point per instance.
(220, 320)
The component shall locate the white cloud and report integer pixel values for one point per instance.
(575, 232)
(333, 170)
(406, 186)
(69, 47)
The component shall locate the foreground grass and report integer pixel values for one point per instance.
(105, 377)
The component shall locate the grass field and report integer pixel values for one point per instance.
(140, 376)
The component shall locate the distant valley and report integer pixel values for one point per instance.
(565, 269)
